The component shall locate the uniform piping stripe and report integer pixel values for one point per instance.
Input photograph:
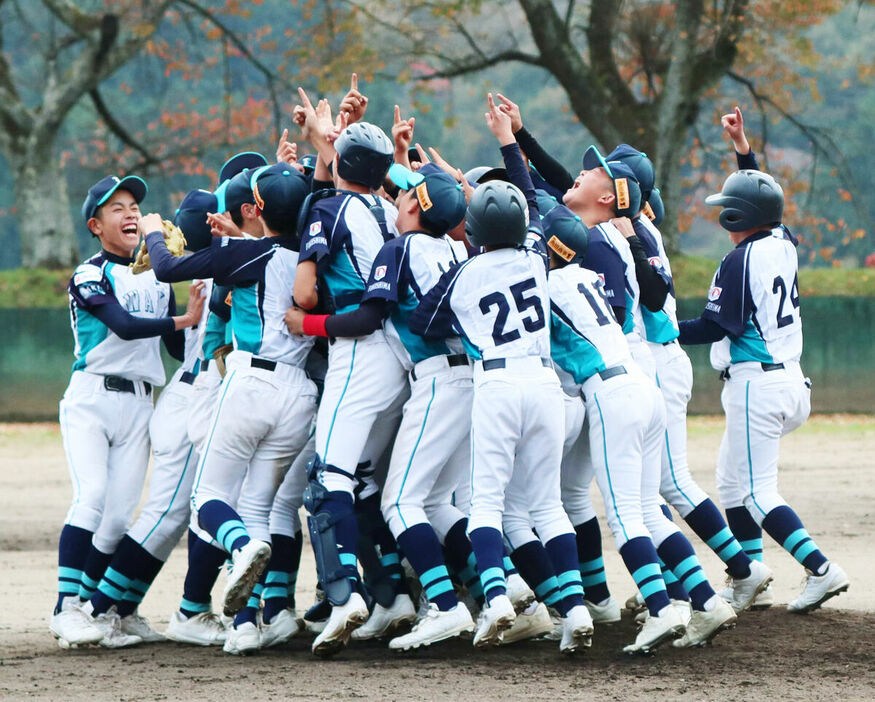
(212, 431)
(172, 499)
(342, 394)
(607, 469)
(747, 429)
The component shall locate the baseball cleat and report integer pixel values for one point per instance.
(435, 626)
(204, 629)
(282, 627)
(249, 562)
(110, 623)
(819, 588)
(576, 630)
(704, 626)
(743, 592)
(344, 619)
(387, 621)
(495, 618)
(535, 621)
(520, 594)
(657, 630)
(139, 626)
(73, 627)
(243, 640)
(635, 603)
(683, 607)
(605, 612)
(764, 600)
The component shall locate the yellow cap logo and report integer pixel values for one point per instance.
(621, 186)
(422, 195)
(560, 248)
(259, 201)
(648, 210)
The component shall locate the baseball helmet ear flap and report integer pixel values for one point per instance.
(749, 199)
(498, 215)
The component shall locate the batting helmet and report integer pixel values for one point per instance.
(483, 174)
(749, 199)
(498, 215)
(567, 236)
(364, 154)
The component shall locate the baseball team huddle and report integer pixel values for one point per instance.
(436, 365)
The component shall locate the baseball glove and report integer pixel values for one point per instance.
(174, 239)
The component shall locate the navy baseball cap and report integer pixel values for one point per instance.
(441, 199)
(654, 208)
(279, 191)
(191, 218)
(238, 191)
(626, 187)
(546, 202)
(567, 236)
(240, 162)
(308, 161)
(641, 166)
(103, 189)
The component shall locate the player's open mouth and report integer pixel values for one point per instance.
(129, 229)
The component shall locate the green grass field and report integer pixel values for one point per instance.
(38, 287)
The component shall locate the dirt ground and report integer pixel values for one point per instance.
(826, 474)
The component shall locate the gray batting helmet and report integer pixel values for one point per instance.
(498, 215)
(364, 154)
(749, 199)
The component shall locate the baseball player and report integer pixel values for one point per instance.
(674, 376)
(431, 448)
(162, 521)
(626, 425)
(266, 401)
(516, 442)
(117, 318)
(752, 319)
(341, 235)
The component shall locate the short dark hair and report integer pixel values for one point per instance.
(282, 225)
(237, 216)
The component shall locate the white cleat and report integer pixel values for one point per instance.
(73, 627)
(819, 588)
(387, 621)
(495, 618)
(657, 630)
(535, 621)
(249, 562)
(636, 603)
(743, 592)
(605, 612)
(683, 607)
(204, 629)
(344, 619)
(138, 625)
(576, 630)
(110, 623)
(435, 626)
(764, 600)
(243, 640)
(704, 626)
(282, 627)
(520, 594)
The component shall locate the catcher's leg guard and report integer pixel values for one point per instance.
(336, 578)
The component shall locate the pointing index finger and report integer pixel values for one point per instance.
(354, 82)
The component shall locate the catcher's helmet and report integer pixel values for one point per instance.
(498, 215)
(567, 236)
(749, 199)
(364, 154)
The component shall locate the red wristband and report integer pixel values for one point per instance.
(314, 325)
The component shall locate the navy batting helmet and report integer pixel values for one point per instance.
(498, 215)
(749, 199)
(364, 154)
(567, 236)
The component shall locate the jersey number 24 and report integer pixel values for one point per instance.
(532, 304)
(778, 286)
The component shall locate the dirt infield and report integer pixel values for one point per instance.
(827, 469)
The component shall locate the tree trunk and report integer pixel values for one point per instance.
(48, 235)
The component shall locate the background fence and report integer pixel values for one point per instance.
(839, 331)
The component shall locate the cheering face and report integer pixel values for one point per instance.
(115, 223)
(590, 188)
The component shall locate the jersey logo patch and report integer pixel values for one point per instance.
(315, 228)
(379, 272)
(714, 293)
(89, 275)
(601, 278)
(655, 261)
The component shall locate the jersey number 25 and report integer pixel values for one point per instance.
(531, 323)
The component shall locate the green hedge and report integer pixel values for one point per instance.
(38, 287)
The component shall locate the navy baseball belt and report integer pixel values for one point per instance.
(262, 363)
(453, 360)
(116, 383)
(724, 374)
(187, 378)
(205, 365)
(496, 363)
(612, 372)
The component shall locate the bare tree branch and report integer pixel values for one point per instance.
(116, 128)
